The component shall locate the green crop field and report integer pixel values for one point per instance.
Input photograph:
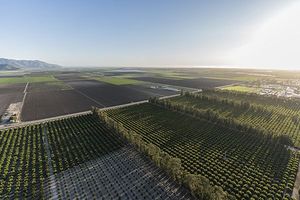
(92, 140)
(78, 158)
(115, 80)
(27, 79)
(240, 88)
(276, 116)
(244, 164)
(24, 161)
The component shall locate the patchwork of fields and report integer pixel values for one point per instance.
(41, 105)
(111, 95)
(81, 95)
(66, 93)
(199, 83)
(245, 143)
(54, 94)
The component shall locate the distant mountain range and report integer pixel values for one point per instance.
(7, 67)
(11, 64)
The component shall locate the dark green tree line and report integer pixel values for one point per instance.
(216, 118)
(199, 185)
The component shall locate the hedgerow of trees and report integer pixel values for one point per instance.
(198, 185)
(227, 122)
(243, 164)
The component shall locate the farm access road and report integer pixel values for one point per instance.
(21, 124)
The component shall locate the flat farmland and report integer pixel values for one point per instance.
(26, 79)
(50, 100)
(47, 86)
(7, 99)
(12, 88)
(10, 94)
(199, 83)
(69, 92)
(121, 174)
(40, 105)
(111, 95)
(68, 76)
(78, 158)
(244, 164)
(151, 91)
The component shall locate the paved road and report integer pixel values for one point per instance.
(22, 103)
(42, 120)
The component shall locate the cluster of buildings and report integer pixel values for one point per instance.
(12, 113)
(280, 90)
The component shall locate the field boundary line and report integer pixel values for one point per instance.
(86, 96)
(21, 124)
(25, 89)
(23, 101)
(52, 176)
(97, 102)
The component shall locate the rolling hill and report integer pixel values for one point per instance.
(12, 64)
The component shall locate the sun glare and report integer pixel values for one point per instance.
(275, 42)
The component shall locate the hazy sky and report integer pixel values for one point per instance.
(254, 33)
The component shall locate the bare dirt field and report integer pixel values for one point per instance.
(12, 88)
(72, 94)
(10, 94)
(7, 99)
(44, 101)
(110, 95)
(40, 105)
(199, 83)
(151, 91)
